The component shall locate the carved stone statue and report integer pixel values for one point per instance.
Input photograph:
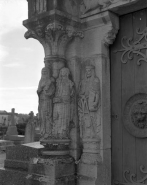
(63, 97)
(88, 104)
(46, 90)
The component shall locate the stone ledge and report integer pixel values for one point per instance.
(17, 165)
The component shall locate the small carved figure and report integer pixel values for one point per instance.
(46, 90)
(88, 104)
(63, 97)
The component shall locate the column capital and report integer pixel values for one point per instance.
(53, 31)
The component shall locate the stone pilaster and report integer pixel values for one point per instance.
(95, 163)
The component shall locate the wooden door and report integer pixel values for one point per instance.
(129, 100)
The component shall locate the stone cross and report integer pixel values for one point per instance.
(13, 116)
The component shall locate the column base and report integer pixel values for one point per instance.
(90, 166)
(55, 147)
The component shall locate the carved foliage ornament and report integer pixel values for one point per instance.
(131, 48)
(132, 179)
(135, 115)
(54, 36)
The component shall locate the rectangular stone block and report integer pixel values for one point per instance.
(15, 164)
(88, 170)
(52, 171)
(84, 181)
(5, 143)
(54, 167)
(12, 177)
(24, 152)
(14, 137)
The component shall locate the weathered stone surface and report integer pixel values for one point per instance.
(53, 170)
(16, 164)
(24, 152)
(12, 177)
(5, 143)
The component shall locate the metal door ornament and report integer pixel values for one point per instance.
(130, 48)
(135, 115)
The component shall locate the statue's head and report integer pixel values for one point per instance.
(64, 72)
(45, 72)
(89, 70)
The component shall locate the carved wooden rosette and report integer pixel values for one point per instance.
(135, 119)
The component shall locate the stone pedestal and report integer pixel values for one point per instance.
(90, 165)
(31, 163)
(52, 171)
(17, 163)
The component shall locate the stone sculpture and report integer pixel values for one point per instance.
(62, 101)
(46, 90)
(93, 4)
(88, 104)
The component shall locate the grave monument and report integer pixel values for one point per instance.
(12, 129)
(12, 134)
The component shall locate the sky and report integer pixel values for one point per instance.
(21, 60)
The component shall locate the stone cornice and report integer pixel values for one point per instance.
(97, 6)
(108, 20)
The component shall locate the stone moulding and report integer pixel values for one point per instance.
(106, 20)
(102, 5)
(51, 161)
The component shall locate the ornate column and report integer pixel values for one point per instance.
(54, 31)
(94, 99)
(56, 90)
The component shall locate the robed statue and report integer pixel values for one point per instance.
(46, 90)
(88, 104)
(62, 104)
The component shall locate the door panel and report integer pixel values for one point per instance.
(129, 92)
